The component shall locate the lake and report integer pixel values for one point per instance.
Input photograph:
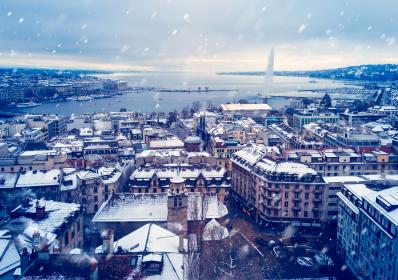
(242, 87)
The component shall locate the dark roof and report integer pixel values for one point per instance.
(61, 266)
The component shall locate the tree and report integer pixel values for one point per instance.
(185, 112)
(326, 101)
(306, 101)
(230, 258)
(195, 107)
(172, 117)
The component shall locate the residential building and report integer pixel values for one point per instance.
(277, 192)
(46, 225)
(367, 230)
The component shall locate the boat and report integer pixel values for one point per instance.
(27, 104)
(84, 98)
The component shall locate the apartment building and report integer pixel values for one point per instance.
(277, 192)
(367, 230)
(33, 160)
(345, 162)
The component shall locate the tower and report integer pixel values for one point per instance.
(177, 207)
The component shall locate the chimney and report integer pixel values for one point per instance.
(25, 259)
(107, 242)
(36, 240)
(93, 269)
(40, 211)
(181, 248)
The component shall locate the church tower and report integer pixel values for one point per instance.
(177, 207)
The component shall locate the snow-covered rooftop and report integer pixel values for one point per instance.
(256, 156)
(166, 144)
(39, 178)
(154, 243)
(9, 256)
(135, 207)
(149, 238)
(174, 171)
(8, 180)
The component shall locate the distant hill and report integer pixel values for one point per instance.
(50, 71)
(371, 72)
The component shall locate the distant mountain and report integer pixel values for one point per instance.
(46, 71)
(374, 73)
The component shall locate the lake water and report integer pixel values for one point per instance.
(244, 87)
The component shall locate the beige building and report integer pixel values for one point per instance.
(97, 187)
(278, 192)
(33, 160)
(245, 109)
(198, 178)
(346, 162)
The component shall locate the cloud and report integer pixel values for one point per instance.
(189, 34)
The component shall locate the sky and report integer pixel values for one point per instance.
(197, 35)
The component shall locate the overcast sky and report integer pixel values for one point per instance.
(205, 35)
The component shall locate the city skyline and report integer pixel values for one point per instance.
(205, 36)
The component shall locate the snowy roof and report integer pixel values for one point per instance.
(39, 178)
(245, 107)
(8, 180)
(87, 175)
(167, 143)
(9, 256)
(193, 140)
(38, 153)
(152, 257)
(109, 175)
(149, 238)
(214, 231)
(256, 156)
(155, 243)
(136, 207)
(69, 180)
(343, 179)
(173, 171)
(391, 196)
(56, 213)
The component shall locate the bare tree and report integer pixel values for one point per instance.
(195, 106)
(185, 112)
(230, 258)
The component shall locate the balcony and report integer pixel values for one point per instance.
(297, 199)
(298, 208)
(317, 191)
(297, 190)
(317, 200)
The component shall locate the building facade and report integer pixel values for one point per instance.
(367, 230)
(277, 192)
